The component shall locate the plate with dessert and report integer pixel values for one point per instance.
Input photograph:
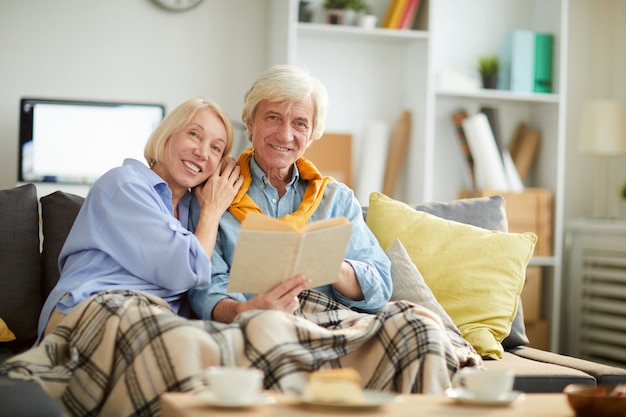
(341, 387)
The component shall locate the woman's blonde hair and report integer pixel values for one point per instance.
(176, 121)
(287, 83)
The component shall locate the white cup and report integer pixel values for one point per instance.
(235, 385)
(485, 384)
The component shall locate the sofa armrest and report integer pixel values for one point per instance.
(604, 374)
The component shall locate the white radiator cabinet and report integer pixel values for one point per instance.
(595, 290)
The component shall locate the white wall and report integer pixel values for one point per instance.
(597, 69)
(134, 51)
(126, 50)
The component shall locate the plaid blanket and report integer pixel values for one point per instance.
(115, 353)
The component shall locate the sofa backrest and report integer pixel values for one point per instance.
(25, 282)
(58, 212)
(20, 272)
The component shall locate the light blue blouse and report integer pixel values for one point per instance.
(126, 236)
(369, 261)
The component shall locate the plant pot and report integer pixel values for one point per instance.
(349, 17)
(490, 81)
(367, 21)
(334, 16)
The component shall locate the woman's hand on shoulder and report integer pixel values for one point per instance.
(221, 187)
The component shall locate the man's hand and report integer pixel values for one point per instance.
(283, 297)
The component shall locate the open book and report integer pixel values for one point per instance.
(270, 251)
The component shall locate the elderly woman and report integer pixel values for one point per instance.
(133, 230)
(284, 112)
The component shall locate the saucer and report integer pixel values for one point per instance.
(214, 400)
(462, 396)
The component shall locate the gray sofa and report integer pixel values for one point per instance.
(30, 241)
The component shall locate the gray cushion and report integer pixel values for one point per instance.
(409, 285)
(58, 212)
(20, 288)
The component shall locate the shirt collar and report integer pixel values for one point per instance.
(161, 187)
(258, 176)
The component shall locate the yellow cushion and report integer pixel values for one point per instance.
(476, 274)
(6, 335)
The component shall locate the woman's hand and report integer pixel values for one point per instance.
(283, 297)
(221, 187)
(214, 198)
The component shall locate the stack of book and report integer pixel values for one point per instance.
(526, 60)
(489, 164)
(401, 14)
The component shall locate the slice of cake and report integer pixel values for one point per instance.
(341, 385)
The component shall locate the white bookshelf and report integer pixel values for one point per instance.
(376, 73)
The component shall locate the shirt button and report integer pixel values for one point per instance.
(274, 200)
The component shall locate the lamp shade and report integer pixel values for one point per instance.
(603, 129)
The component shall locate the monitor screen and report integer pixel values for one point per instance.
(76, 142)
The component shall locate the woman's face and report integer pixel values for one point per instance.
(280, 133)
(192, 154)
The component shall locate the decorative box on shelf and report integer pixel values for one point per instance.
(527, 211)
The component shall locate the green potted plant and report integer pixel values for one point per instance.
(488, 66)
(364, 14)
(344, 12)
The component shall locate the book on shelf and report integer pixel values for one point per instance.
(409, 14)
(269, 251)
(517, 62)
(394, 13)
(493, 167)
(523, 148)
(487, 160)
(526, 60)
(493, 117)
(512, 176)
(544, 51)
(457, 119)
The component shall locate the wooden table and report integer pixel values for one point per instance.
(533, 405)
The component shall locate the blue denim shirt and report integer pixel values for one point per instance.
(369, 261)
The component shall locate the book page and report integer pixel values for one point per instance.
(258, 221)
(320, 255)
(264, 259)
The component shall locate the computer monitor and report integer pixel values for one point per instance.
(76, 141)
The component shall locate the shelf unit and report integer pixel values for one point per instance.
(460, 31)
(374, 74)
(371, 74)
